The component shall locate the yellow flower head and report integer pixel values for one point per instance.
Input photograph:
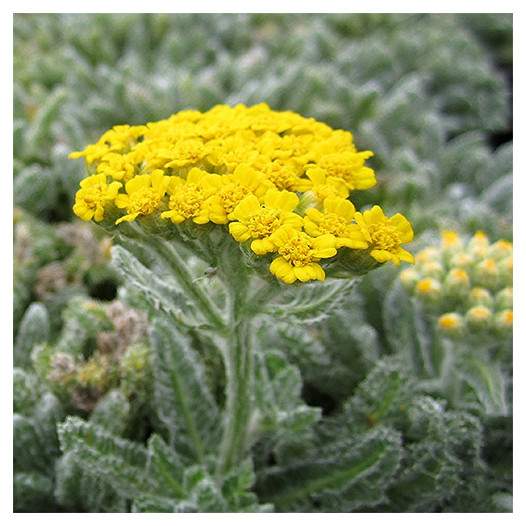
(120, 167)
(299, 253)
(186, 152)
(348, 166)
(322, 186)
(285, 174)
(385, 235)
(336, 220)
(143, 195)
(259, 221)
(189, 197)
(93, 196)
(234, 188)
(92, 152)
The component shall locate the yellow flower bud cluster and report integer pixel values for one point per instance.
(275, 180)
(468, 284)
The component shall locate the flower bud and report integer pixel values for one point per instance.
(432, 269)
(429, 290)
(486, 274)
(428, 254)
(505, 267)
(451, 324)
(462, 260)
(456, 284)
(480, 296)
(500, 249)
(478, 245)
(504, 299)
(409, 277)
(479, 318)
(450, 241)
(504, 322)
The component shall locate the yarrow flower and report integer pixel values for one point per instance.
(143, 195)
(258, 221)
(94, 194)
(275, 180)
(299, 253)
(385, 235)
(336, 219)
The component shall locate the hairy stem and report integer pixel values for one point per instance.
(239, 367)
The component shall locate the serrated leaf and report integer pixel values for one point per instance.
(341, 476)
(278, 394)
(34, 330)
(383, 397)
(112, 412)
(166, 467)
(83, 490)
(34, 188)
(29, 451)
(154, 288)
(33, 492)
(310, 302)
(489, 384)
(26, 391)
(410, 333)
(431, 471)
(120, 462)
(154, 504)
(185, 405)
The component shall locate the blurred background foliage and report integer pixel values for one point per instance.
(430, 94)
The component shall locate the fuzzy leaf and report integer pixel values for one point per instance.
(166, 466)
(489, 383)
(310, 302)
(153, 287)
(84, 490)
(34, 330)
(33, 492)
(34, 188)
(184, 402)
(343, 476)
(278, 395)
(119, 462)
(431, 471)
(112, 412)
(410, 333)
(29, 451)
(26, 391)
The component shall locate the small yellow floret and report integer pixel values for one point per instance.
(385, 235)
(143, 195)
(299, 253)
(93, 196)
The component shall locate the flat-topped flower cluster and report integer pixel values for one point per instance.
(279, 181)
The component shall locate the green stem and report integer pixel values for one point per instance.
(448, 377)
(239, 367)
(191, 286)
(238, 411)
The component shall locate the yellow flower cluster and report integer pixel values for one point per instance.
(278, 180)
(469, 284)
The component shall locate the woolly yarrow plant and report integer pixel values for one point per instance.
(221, 217)
(394, 397)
